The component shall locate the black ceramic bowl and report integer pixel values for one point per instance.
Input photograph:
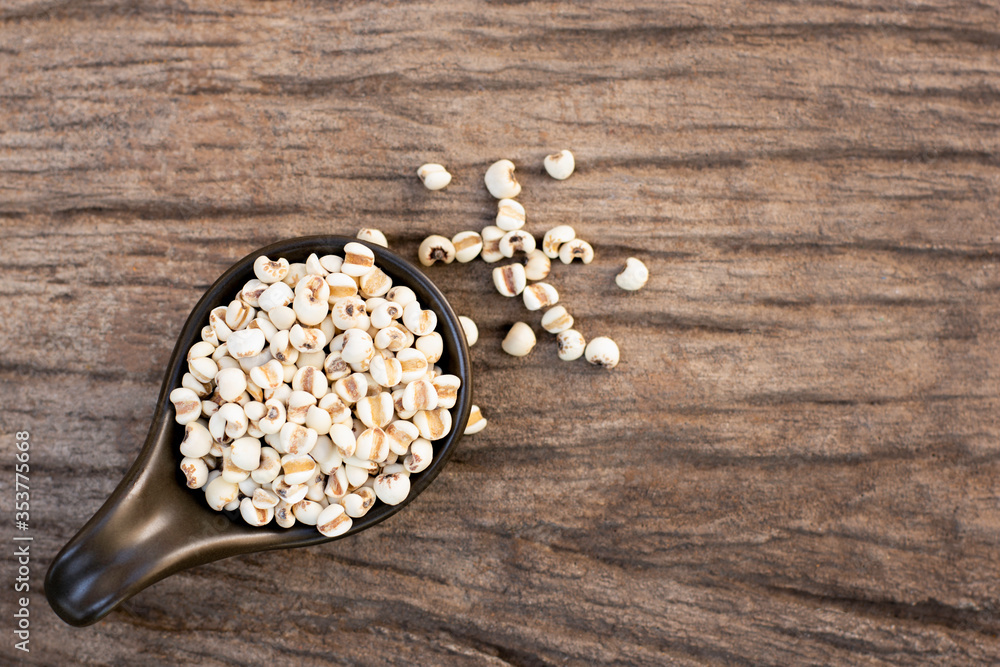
(153, 525)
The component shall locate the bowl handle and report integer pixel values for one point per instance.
(149, 528)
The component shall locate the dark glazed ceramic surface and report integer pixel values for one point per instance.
(153, 525)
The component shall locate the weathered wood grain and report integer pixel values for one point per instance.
(796, 460)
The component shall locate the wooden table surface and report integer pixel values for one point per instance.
(796, 461)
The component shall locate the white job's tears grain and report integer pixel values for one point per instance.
(500, 180)
(434, 176)
(560, 165)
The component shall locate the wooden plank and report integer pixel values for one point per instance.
(795, 461)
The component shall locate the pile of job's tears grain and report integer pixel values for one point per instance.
(314, 392)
